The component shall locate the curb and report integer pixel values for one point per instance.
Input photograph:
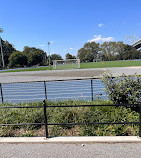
(79, 139)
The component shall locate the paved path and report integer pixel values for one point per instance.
(118, 150)
(63, 74)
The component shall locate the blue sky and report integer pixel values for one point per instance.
(68, 24)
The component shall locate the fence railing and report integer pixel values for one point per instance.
(46, 124)
(76, 89)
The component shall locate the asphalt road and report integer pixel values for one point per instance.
(99, 150)
(26, 76)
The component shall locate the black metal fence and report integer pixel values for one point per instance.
(75, 89)
(46, 124)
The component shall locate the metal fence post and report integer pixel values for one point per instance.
(45, 90)
(46, 128)
(140, 120)
(1, 93)
(92, 89)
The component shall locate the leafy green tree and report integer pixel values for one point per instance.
(35, 58)
(118, 51)
(33, 52)
(17, 59)
(130, 53)
(69, 56)
(55, 57)
(89, 52)
(7, 49)
(28, 50)
(112, 50)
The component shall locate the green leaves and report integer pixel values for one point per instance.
(17, 59)
(69, 115)
(29, 57)
(108, 51)
(8, 49)
(35, 58)
(88, 52)
(123, 89)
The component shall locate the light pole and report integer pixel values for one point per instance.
(49, 53)
(2, 56)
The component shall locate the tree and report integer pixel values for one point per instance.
(112, 50)
(7, 49)
(118, 51)
(69, 56)
(55, 57)
(35, 58)
(33, 52)
(89, 52)
(17, 59)
(130, 53)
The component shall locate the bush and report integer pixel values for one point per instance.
(123, 89)
(68, 115)
(109, 114)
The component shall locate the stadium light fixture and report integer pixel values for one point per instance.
(49, 53)
(1, 31)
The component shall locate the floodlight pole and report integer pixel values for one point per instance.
(49, 53)
(1, 31)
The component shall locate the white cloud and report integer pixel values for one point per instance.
(100, 25)
(99, 38)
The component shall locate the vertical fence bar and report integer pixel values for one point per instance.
(1, 93)
(45, 90)
(140, 120)
(92, 89)
(46, 128)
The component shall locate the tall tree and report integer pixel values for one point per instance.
(32, 53)
(69, 56)
(55, 57)
(7, 49)
(17, 59)
(112, 50)
(118, 51)
(130, 53)
(88, 52)
(35, 58)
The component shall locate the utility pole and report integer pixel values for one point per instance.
(49, 53)
(2, 56)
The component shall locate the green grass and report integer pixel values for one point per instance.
(68, 115)
(110, 64)
(103, 64)
(29, 69)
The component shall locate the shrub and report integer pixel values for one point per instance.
(123, 89)
(68, 115)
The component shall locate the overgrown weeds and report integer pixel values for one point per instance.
(68, 115)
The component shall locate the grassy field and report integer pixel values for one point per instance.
(87, 65)
(110, 64)
(29, 69)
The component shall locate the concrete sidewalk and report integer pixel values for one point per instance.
(79, 139)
